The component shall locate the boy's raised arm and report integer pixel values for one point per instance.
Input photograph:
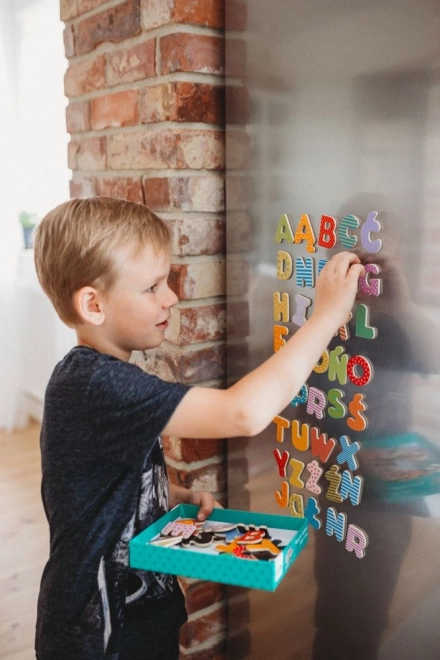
(248, 406)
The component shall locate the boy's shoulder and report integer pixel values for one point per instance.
(102, 376)
(79, 363)
(83, 364)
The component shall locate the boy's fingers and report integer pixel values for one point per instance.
(356, 271)
(206, 506)
(343, 263)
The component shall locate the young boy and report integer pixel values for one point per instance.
(104, 263)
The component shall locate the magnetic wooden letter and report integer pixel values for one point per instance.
(311, 513)
(302, 303)
(284, 265)
(281, 460)
(349, 222)
(284, 230)
(321, 447)
(296, 505)
(357, 541)
(371, 225)
(300, 439)
(281, 424)
(295, 477)
(335, 524)
(279, 331)
(304, 232)
(327, 232)
(282, 497)
(281, 307)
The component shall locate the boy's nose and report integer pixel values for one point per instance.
(171, 298)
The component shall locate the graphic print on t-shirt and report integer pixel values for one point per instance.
(135, 585)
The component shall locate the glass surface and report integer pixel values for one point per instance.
(333, 109)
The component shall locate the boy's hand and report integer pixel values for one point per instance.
(206, 502)
(201, 498)
(336, 288)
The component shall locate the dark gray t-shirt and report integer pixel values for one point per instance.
(104, 480)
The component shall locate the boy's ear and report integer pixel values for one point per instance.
(88, 305)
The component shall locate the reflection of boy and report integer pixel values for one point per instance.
(354, 596)
(104, 263)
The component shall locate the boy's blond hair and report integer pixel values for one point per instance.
(74, 246)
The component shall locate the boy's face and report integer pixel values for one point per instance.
(137, 307)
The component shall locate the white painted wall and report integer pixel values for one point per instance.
(43, 339)
(33, 177)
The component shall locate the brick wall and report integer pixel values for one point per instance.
(146, 118)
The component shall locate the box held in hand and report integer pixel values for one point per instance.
(230, 559)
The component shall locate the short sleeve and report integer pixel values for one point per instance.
(129, 407)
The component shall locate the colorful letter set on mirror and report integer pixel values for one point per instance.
(335, 366)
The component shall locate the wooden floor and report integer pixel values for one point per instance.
(24, 541)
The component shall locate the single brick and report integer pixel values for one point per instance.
(71, 9)
(209, 13)
(143, 150)
(196, 102)
(156, 103)
(129, 188)
(201, 193)
(82, 187)
(131, 64)
(114, 24)
(188, 364)
(201, 150)
(191, 52)
(198, 279)
(189, 450)
(211, 478)
(199, 629)
(189, 325)
(182, 101)
(164, 149)
(91, 154)
(72, 151)
(158, 195)
(114, 110)
(197, 193)
(78, 117)
(200, 594)
(197, 236)
(69, 41)
(84, 77)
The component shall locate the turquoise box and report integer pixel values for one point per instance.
(215, 567)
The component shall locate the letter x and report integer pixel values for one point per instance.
(348, 452)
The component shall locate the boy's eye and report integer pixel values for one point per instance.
(152, 289)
